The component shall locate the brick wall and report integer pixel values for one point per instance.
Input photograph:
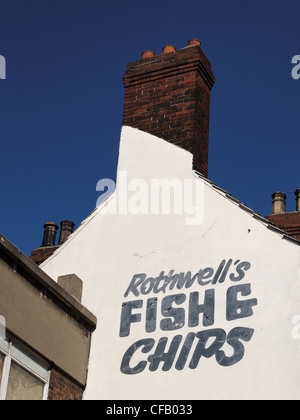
(289, 222)
(168, 95)
(62, 388)
(40, 255)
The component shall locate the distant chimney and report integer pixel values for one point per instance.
(48, 247)
(67, 227)
(286, 221)
(168, 95)
(279, 203)
(297, 194)
(49, 238)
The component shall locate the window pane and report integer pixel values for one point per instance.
(4, 345)
(29, 360)
(1, 366)
(23, 386)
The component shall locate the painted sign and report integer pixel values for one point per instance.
(167, 293)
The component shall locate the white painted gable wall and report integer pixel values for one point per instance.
(106, 251)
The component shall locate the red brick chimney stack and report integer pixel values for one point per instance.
(168, 95)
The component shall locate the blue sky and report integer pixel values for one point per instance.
(62, 102)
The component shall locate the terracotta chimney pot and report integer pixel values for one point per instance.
(168, 48)
(147, 54)
(193, 42)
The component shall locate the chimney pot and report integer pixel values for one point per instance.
(50, 230)
(67, 227)
(193, 42)
(147, 54)
(297, 194)
(279, 203)
(168, 48)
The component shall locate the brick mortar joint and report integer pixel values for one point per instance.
(157, 74)
(181, 54)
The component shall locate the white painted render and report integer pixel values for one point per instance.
(107, 250)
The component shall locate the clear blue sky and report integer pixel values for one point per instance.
(61, 105)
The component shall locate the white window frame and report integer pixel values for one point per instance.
(13, 352)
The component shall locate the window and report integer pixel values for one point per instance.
(23, 375)
(1, 364)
